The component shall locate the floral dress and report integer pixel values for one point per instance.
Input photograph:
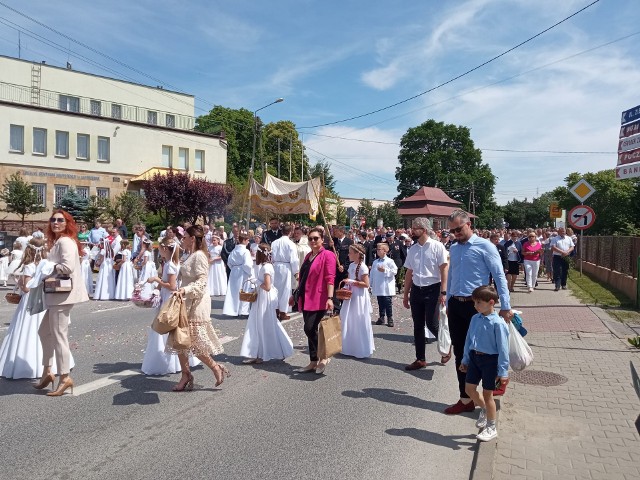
(194, 274)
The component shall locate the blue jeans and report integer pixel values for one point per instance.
(385, 306)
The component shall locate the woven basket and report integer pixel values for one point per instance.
(13, 298)
(248, 296)
(343, 293)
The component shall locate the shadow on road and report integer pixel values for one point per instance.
(449, 441)
(107, 368)
(396, 397)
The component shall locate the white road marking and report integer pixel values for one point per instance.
(100, 310)
(117, 377)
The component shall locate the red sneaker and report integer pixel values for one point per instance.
(460, 408)
(500, 391)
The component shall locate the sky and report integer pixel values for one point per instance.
(561, 92)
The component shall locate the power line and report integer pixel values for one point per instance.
(458, 76)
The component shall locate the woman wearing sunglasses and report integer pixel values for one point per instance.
(66, 251)
(315, 293)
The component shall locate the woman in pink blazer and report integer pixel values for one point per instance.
(315, 292)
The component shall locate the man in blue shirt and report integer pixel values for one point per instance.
(97, 233)
(472, 260)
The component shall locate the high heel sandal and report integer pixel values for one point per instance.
(62, 386)
(223, 372)
(188, 385)
(50, 378)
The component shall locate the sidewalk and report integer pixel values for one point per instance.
(583, 425)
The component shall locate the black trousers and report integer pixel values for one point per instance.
(560, 270)
(460, 314)
(423, 302)
(311, 323)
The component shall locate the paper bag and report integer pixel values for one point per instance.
(329, 337)
(169, 315)
(179, 337)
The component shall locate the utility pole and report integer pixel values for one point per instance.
(290, 155)
(302, 157)
(278, 157)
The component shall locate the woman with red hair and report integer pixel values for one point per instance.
(66, 250)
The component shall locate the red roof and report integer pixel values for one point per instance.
(430, 194)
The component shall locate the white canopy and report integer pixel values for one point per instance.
(282, 197)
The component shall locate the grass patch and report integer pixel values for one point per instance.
(591, 291)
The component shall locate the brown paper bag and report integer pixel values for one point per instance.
(329, 337)
(169, 315)
(179, 337)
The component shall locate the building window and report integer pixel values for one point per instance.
(171, 120)
(141, 193)
(199, 161)
(39, 141)
(96, 107)
(116, 111)
(62, 144)
(69, 104)
(82, 146)
(16, 138)
(82, 192)
(41, 190)
(102, 192)
(103, 149)
(152, 117)
(167, 153)
(59, 191)
(183, 158)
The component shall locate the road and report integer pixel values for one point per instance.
(363, 419)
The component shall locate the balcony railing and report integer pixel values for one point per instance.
(92, 106)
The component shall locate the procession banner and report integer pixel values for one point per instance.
(283, 198)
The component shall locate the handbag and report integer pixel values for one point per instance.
(444, 337)
(520, 354)
(36, 302)
(329, 337)
(58, 284)
(180, 337)
(168, 317)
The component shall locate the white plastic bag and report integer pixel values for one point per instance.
(427, 334)
(444, 338)
(520, 354)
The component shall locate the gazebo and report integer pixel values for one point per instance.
(429, 202)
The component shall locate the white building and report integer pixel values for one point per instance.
(61, 128)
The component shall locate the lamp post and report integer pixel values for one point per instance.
(253, 154)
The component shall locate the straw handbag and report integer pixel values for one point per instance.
(246, 296)
(343, 293)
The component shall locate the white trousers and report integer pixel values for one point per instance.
(531, 267)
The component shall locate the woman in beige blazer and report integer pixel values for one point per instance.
(65, 252)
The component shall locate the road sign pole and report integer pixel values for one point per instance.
(638, 283)
(580, 249)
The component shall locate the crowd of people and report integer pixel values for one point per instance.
(286, 266)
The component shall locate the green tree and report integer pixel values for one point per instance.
(437, 155)
(368, 211)
(96, 210)
(20, 197)
(73, 203)
(267, 152)
(614, 201)
(524, 213)
(128, 206)
(389, 215)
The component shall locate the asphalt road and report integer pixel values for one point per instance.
(363, 419)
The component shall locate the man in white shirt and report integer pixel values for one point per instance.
(424, 287)
(284, 256)
(561, 246)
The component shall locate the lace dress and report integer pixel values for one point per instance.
(194, 273)
(355, 315)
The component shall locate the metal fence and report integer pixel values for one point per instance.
(615, 253)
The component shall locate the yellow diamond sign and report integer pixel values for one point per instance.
(582, 190)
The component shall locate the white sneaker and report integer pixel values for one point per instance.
(489, 433)
(482, 419)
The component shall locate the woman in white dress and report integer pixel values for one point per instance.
(217, 272)
(4, 266)
(21, 350)
(253, 248)
(241, 265)
(156, 361)
(15, 259)
(126, 277)
(265, 338)
(355, 314)
(85, 267)
(147, 268)
(106, 282)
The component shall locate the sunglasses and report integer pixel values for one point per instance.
(457, 229)
(57, 219)
(313, 239)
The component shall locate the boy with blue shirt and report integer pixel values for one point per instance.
(486, 358)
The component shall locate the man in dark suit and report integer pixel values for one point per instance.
(341, 243)
(398, 254)
(228, 245)
(273, 233)
(369, 248)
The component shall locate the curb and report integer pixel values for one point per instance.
(485, 453)
(617, 329)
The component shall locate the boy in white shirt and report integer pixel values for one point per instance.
(383, 283)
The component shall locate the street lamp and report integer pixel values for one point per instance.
(253, 154)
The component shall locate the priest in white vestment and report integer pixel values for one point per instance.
(284, 257)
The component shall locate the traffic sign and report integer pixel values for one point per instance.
(628, 171)
(581, 217)
(555, 211)
(630, 115)
(629, 157)
(582, 190)
(630, 129)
